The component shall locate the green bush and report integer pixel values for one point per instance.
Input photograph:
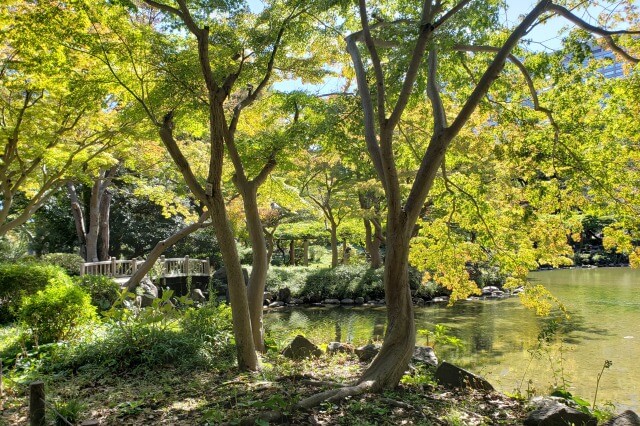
(58, 312)
(68, 261)
(104, 291)
(23, 279)
(198, 338)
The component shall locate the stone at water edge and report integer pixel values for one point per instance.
(359, 300)
(553, 413)
(149, 292)
(276, 304)
(455, 377)
(331, 302)
(301, 348)
(627, 418)
(346, 301)
(284, 295)
(424, 355)
(198, 296)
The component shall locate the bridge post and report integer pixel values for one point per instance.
(134, 266)
(163, 266)
(185, 266)
(207, 267)
(113, 266)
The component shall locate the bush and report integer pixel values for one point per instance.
(23, 279)
(57, 312)
(199, 338)
(104, 291)
(68, 261)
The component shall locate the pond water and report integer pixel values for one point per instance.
(501, 337)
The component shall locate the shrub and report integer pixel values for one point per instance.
(57, 312)
(199, 338)
(104, 291)
(68, 261)
(23, 279)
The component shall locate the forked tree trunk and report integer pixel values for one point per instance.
(246, 354)
(78, 219)
(259, 265)
(270, 244)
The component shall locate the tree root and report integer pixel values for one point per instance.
(320, 383)
(334, 395)
(269, 416)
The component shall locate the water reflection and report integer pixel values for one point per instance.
(501, 337)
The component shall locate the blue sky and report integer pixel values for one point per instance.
(547, 36)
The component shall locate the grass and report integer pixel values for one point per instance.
(207, 396)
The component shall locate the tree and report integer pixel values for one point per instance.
(54, 124)
(436, 31)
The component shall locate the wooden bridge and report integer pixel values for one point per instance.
(168, 267)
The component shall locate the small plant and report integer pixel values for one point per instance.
(607, 364)
(69, 410)
(57, 312)
(440, 336)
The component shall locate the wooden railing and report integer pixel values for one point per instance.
(168, 267)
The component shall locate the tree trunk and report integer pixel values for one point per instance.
(292, 253)
(246, 353)
(259, 265)
(104, 231)
(94, 222)
(389, 365)
(305, 252)
(78, 218)
(334, 245)
(270, 244)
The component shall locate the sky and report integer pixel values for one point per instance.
(547, 36)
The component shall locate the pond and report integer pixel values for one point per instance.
(501, 336)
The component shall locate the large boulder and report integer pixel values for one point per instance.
(367, 352)
(301, 348)
(555, 413)
(424, 355)
(347, 301)
(451, 376)
(627, 418)
(198, 296)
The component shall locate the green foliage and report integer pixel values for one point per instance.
(440, 336)
(70, 410)
(68, 261)
(345, 281)
(12, 247)
(104, 291)
(58, 312)
(144, 340)
(18, 280)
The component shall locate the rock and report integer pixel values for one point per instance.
(267, 296)
(330, 302)
(517, 290)
(347, 301)
(284, 295)
(359, 300)
(149, 292)
(92, 422)
(440, 299)
(424, 355)
(489, 289)
(336, 347)
(554, 413)
(220, 277)
(296, 301)
(198, 296)
(419, 301)
(627, 418)
(367, 352)
(276, 304)
(301, 348)
(455, 377)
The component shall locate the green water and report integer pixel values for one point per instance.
(501, 336)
